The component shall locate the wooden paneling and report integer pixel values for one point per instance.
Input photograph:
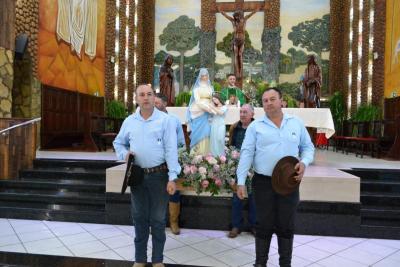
(7, 24)
(65, 116)
(392, 112)
(17, 147)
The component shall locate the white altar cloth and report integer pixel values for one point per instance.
(320, 118)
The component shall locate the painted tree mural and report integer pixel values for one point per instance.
(180, 35)
(312, 35)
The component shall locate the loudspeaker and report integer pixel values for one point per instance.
(21, 42)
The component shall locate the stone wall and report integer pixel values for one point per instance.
(26, 96)
(6, 82)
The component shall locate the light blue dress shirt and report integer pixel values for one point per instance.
(153, 141)
(179, 130)
(265, 144)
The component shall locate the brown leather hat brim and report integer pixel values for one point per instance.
(283, 181)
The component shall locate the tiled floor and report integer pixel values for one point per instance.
(192, 247)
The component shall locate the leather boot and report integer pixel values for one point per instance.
(174, 210)
(262, 250)
(285, 247)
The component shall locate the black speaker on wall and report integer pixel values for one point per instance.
(21, 42)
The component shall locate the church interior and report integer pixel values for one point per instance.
(68, 74)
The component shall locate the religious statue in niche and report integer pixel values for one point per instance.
(312, 83)
(239, 28)
(77, 25)
(166, 76)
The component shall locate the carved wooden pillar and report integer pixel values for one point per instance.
(354, 55)
(121, 53)
(131, 50)
(339, 47)
(145, 45)
(365, 51)
(109, 74)
(378, 70)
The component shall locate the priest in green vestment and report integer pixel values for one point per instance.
(231, 90)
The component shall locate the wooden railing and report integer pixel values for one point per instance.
(17, 145)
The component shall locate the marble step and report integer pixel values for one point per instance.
(376, 174)
(87, 164)
(369, 185)
(51, 214)
(54, 184)
(389, 199)
(64, 174)
(52, 197)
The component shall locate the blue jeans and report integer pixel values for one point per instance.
(237, 208)
(149, 205)
(176, 198)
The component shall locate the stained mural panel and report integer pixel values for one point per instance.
(305, 30)
(71, 45)
(392, 49)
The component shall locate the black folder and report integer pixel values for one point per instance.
(133, 174)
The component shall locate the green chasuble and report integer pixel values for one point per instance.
(228, 91)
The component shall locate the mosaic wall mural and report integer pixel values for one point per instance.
(305, 30)
(71, 45)
(392, 51)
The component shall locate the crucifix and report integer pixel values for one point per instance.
(238, 21)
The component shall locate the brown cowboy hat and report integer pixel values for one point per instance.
(283, 181)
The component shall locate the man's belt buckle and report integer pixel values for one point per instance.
(158, 168)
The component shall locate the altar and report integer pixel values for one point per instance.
(320, 118)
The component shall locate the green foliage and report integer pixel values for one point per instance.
(261, 87)
(291, 102)
(182, 99)
(217, 86)
(338, 109)
(312, 35)
(367, 113)
(116, 109)
(226, 44)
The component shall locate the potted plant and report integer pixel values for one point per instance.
(338, 110)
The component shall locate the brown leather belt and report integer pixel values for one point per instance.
(160, 168)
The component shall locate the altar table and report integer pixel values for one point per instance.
(320, 118)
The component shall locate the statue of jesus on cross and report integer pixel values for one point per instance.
(239, 28)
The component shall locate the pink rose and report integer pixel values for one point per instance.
(216, 168)
(235, 154)
(204, 183)
(186, 169)
(202, 170)
(222, 159)
(193, 169)
(218, 182)
(212, 160)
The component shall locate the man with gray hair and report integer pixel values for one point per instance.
(236, 135)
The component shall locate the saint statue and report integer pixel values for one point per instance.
(166, 76)
(312, 83)
(239, 28)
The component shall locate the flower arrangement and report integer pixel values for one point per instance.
(205, 173)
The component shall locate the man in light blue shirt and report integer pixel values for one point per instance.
(161, 102)
(267, 140)
(150, 135)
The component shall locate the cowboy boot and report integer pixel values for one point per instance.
(174, 210)
(285, 247)
(262, 250)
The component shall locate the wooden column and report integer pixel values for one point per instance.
(354, 55)
(7, 24)
(111, 13)
(378, 69)
(17, 148)
(365, 51)
(339, 47)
